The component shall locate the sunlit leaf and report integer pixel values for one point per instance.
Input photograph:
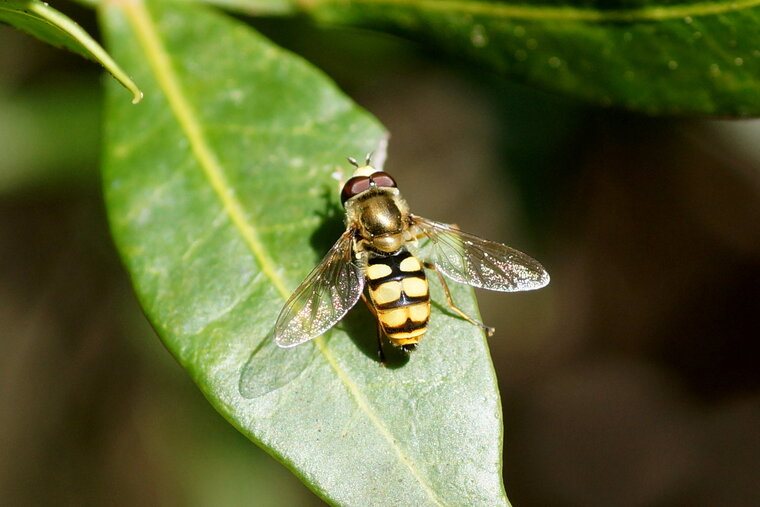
(51, 26)
(221, 199)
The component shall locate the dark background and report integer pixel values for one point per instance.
(631, 380)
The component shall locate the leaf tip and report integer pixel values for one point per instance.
(137, 96)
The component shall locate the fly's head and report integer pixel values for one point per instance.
(375, 208)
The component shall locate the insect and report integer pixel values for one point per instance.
(375, 259)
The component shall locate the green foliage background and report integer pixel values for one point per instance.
(221, 197)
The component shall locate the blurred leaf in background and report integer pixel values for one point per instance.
(629, 381)
(658, 57)
(31, 122)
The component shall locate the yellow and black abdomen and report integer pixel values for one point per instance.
(399, 293)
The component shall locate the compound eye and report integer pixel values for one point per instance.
(354, 186)
(383, 179)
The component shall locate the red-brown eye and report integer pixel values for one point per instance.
(354, 186)
(382, 179)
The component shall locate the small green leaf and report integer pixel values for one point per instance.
(221, 199)
(49, 25)
(660, 57)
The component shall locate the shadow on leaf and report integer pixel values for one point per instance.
(361, 327)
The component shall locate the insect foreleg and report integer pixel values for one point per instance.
(489, 330)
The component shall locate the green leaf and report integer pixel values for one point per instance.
(49, 25)
(660, 57)
(257, 7)
(221, 199)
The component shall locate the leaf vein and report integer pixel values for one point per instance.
(148, 38)
(556, 13)
(203, 238)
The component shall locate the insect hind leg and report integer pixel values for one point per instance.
(488, 329)
(380, 332)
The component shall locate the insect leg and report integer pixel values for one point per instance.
(489, 330)
(380, 351)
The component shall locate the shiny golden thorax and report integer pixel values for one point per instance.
(380, 215)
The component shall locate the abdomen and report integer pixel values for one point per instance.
(400, 295)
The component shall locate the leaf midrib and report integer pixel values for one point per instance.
(158, 60)
(547, 13)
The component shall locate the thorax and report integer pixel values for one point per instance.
(381, 217)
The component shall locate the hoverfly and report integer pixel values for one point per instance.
(374, 259)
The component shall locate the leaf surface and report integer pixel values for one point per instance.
(221, 199)
(659, 57)
(49, 25)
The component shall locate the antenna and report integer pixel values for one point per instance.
(353, 162)
(369, 157)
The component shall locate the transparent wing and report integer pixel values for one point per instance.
(478, 262)
(270, 367)
(327, 294)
